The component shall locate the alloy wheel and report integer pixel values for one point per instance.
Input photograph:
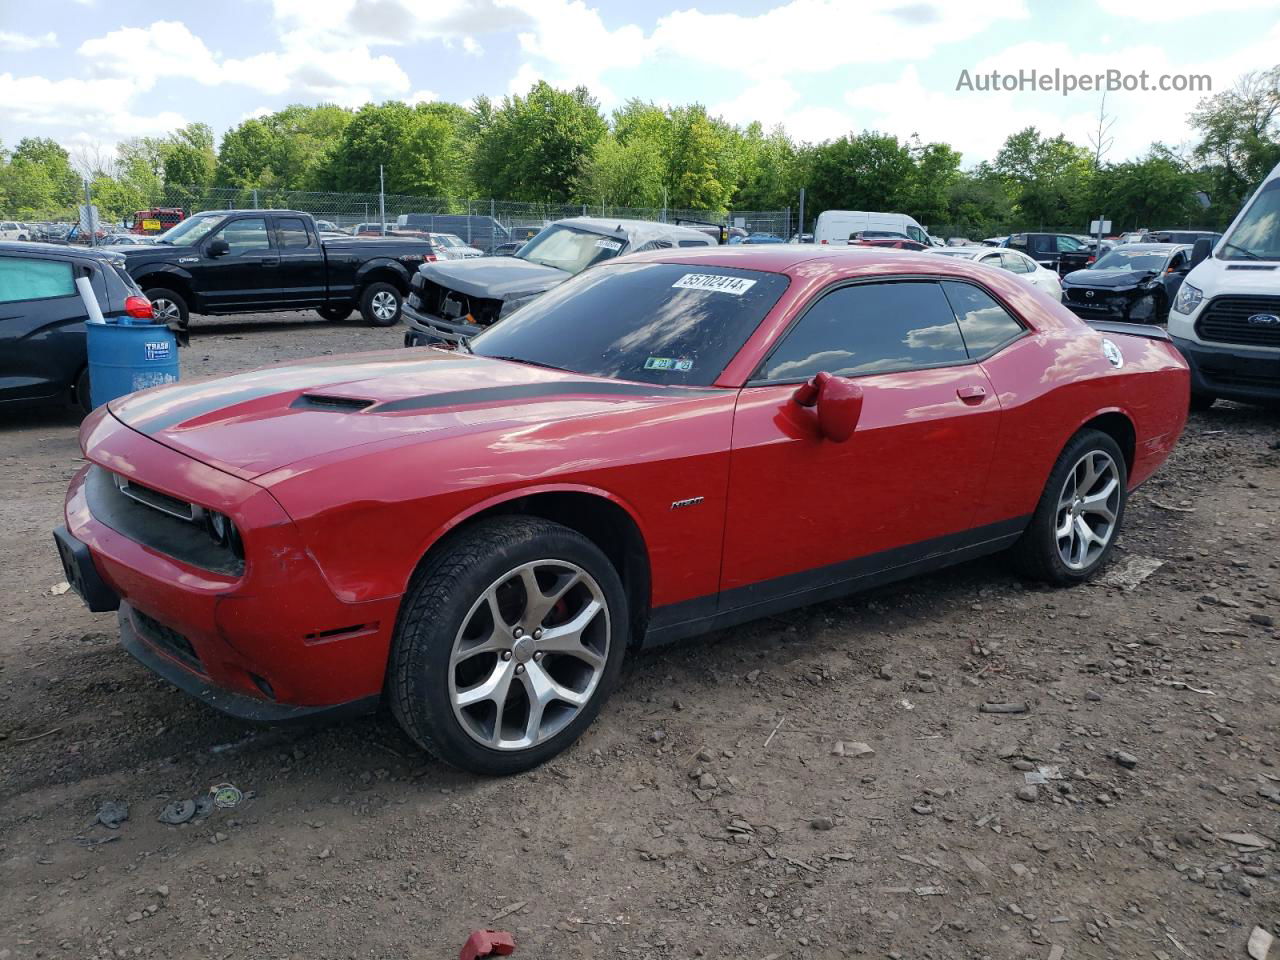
(1088, 507)
(166, 311)
(383, 305)
(529, 655)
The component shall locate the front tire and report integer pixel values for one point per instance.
(1080, 514)
(380, 304)
(168, 306)
(510, 638)
(1200, 402)
(81, 392)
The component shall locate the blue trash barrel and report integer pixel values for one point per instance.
(126, 357)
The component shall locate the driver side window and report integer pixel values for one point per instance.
(868, 328)
(245, 236)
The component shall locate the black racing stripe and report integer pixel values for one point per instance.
(535, 391)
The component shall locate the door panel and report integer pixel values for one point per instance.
(248, 276)
(912, 473)
(302, 272)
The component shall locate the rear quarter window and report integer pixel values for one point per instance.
(31, 279)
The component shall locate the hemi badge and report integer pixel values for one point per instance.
(691, 502)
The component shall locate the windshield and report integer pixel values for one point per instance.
(664, 323)
(570, 249)
(191, 231)
(1257, 235)
(1139, 261)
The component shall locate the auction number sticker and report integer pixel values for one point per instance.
(607, 244)
(668, 363)
(714, 283)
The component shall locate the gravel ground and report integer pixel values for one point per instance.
(820, 784)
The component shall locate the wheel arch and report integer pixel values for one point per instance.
(598, 515)
(382, 271)
(179, 281)
(1119, 426)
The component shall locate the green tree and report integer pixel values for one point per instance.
(702, 167)
(1157, 190)
(536, 147)
(370, 140)
(55, 162)
(767, 178)
(431, 160)
(1240, 138)
(866, 171)
(188, 161)
(627, 174)
(1048, 178)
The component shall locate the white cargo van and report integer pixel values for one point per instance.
(836, 226)
(1226, 316)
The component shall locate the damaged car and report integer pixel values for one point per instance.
(1135, 283)
(452, 301)
(670, 443)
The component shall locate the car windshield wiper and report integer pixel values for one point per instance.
(532, 363)
(1248, 253)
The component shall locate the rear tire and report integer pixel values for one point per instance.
(380, 304)
(81, 392)
(168, 306)
(474, 648)
(1080, 514)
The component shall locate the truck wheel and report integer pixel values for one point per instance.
(509, 639)
(168, 307)
(336, 314)
(1080, 513)
(380, 304)
(80, 393)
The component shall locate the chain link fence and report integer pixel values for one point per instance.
(482, 223)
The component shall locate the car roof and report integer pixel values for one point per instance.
(973, 249)
(1156, 247)
(60, 250)
(789, 258)
(638, 231)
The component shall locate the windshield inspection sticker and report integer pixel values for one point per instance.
(716, 284)
(668, 363)
(608, 244)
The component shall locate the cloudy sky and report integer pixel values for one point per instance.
(97, 71)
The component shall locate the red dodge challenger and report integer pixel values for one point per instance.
(670, 443)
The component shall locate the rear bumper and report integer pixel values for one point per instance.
(1232, 372)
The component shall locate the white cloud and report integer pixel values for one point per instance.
(1180, 9)
(100, 108)
(422, 96)
(164, 49)
(22, 42)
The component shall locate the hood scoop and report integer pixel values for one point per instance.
(320, 401)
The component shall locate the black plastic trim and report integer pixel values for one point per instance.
(703, 614)
(82, 575)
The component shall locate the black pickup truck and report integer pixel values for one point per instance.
(252, 261)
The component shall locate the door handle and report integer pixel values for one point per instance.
(973, 394)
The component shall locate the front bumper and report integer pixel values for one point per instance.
(151, 654)
(1232, 372)
(275, 633)
(427, 330)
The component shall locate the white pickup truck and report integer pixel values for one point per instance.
(1226, 316)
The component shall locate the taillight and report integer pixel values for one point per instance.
(822, 241)
(1091, 260)
(139, 307)
(429, 258)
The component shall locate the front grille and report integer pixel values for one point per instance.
(1226, 320)
(450, 305)
(1229, 377)
(167, 639)
(155, 499)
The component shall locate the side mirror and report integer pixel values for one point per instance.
(1200, 251)
(839, 403)
(218, 248)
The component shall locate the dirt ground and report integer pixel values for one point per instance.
(709, 811)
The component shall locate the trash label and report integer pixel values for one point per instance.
(157, 349)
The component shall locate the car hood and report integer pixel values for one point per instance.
(1107, 279)
(494, 278)
(262, 421)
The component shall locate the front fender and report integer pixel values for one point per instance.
(162, 274)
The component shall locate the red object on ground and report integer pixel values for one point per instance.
(487, 943)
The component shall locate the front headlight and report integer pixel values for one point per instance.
(223, 532)
(1188, 298)
(511, 306)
